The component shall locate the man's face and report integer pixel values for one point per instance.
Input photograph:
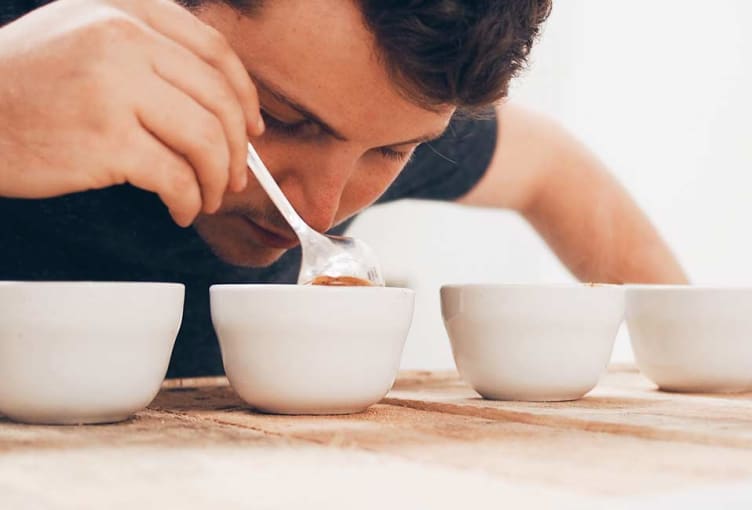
(337, 130)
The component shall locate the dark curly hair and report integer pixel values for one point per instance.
(439, 52)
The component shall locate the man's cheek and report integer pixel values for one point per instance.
(358, 197)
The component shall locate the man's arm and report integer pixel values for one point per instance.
(582, 212)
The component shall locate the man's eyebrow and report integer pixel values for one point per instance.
(430, 137)
(305, 112)
(302, 110)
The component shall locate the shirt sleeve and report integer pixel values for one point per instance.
(449, 167)
(10, 10)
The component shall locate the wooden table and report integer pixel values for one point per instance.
(432, 443)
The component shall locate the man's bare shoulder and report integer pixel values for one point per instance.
(528, 144)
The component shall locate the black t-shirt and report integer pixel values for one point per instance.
(12, 9)
(126, 234)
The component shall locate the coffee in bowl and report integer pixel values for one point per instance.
(341, 281)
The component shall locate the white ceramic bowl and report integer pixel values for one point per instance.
(692, 339)
(293, 349)
(532, 342)
(84, 352)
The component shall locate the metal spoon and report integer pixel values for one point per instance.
(323, 255)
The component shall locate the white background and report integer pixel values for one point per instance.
(660, 91)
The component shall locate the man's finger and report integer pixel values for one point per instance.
(157, 168)
(192, 131)
(178, 24)
(210, 89)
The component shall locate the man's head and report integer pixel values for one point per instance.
(348, 89)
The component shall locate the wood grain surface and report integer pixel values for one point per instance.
(431, 442)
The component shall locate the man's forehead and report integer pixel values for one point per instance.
(329, 65)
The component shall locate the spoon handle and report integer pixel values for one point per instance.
(275, 193)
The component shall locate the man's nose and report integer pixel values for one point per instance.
(315, 186)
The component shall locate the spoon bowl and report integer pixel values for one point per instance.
(334, 257)
(340, 259)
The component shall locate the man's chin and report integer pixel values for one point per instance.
(229, 239)
(259, 260)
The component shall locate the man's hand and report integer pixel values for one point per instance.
(95, 93)
(588, 219)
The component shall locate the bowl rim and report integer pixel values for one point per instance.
(533, 286)
(293, 287)
(685, 288)
(88, 283)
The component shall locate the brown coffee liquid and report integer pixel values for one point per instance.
(340, 281)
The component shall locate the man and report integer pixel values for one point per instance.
(117, 117)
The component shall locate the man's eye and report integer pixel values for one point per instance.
(395, 155)
(302, 127)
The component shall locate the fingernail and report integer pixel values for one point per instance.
(260, 124)
(241, 182)
(175, 217)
